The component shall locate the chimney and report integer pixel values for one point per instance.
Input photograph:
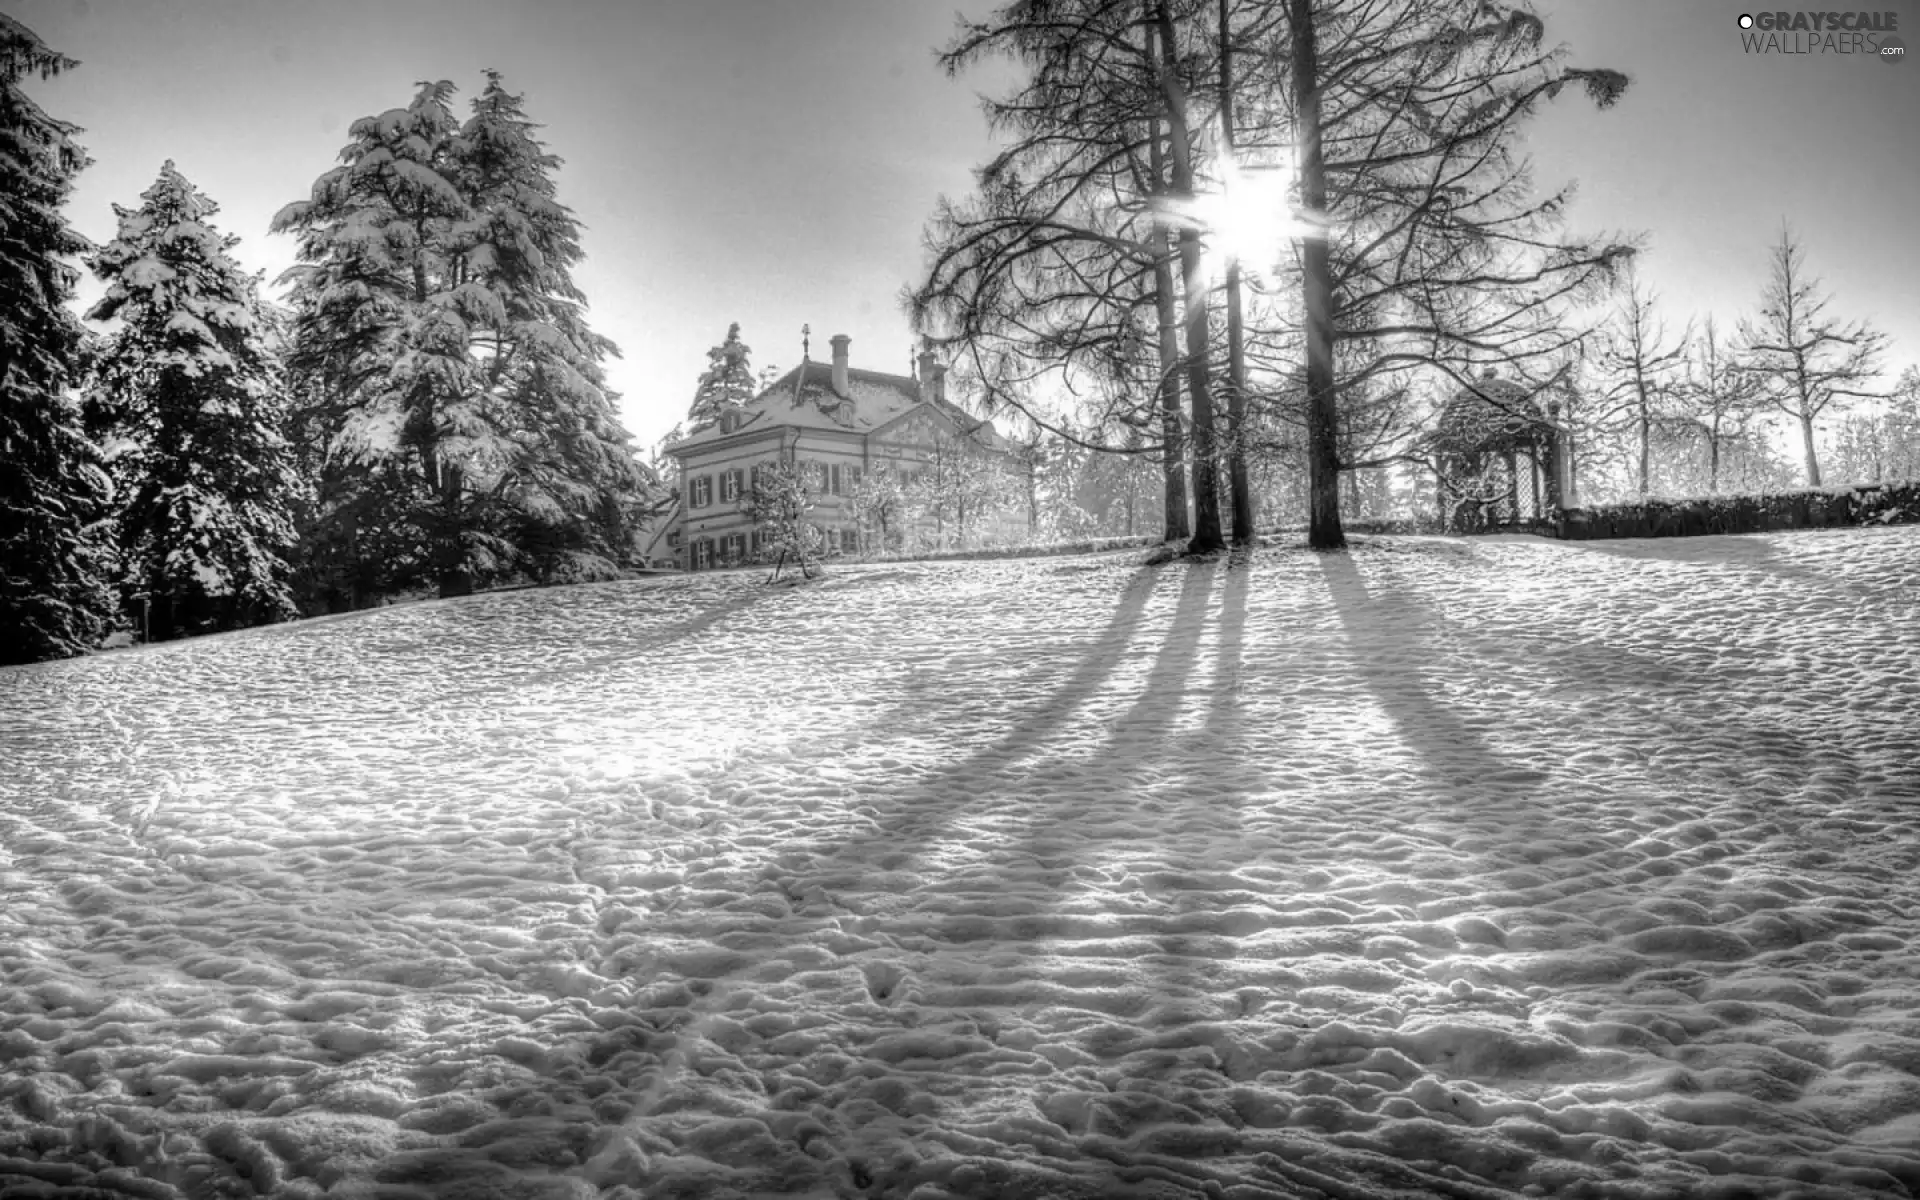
(840, 343)
(931, 377)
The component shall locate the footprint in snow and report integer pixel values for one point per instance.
(883, 980)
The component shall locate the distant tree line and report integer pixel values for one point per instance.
(428, 410)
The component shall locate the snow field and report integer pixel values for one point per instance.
(1473, 869)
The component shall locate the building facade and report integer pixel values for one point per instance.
(843, 425)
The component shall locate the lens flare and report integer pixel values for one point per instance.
(1250, 217)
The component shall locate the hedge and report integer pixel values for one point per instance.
(1817, 508)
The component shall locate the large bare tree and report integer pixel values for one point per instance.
(1807, 361)
(1427, 245)
(1719, 396)
(1067, 267)
(1639, 365)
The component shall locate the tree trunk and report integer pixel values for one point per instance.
(1713, 462)
(1323, 458)
(1813, 457)
(453, 576)
(1240, 489)
(1173, 452)
(1646, 439)
(1206, 483)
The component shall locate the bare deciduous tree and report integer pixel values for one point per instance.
(1640, 366)
(1718, 396)
(1427, 247)
(1806, 361)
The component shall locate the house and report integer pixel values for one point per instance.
(843, 424)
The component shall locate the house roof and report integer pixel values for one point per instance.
(804, 398)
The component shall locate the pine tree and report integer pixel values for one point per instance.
(189, 398)
(54, 598)
(727, 382)
(440, 321)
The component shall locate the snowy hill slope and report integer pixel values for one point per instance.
(1440, 868)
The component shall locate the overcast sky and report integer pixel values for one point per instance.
(773, 162)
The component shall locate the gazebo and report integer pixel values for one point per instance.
(1499, 457)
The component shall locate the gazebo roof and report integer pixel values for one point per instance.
(1492, 416)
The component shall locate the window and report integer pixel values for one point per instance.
(702, 554)
(837, 479)
(853, 479)
(734, 547)
(753, 478)
(703, 491)
(818, 476)
(730, 486)
(850, 541)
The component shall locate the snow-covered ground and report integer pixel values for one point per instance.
(1442, 868)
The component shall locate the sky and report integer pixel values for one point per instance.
(774, 162)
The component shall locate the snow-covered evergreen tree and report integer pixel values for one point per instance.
(55, 600)
(439, 321)
(666, 471)
(726, 384)
(189, 401)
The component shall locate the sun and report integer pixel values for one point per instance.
(1250, 217)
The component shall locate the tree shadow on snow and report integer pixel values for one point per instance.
(1087, 795)
(1386, 635)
